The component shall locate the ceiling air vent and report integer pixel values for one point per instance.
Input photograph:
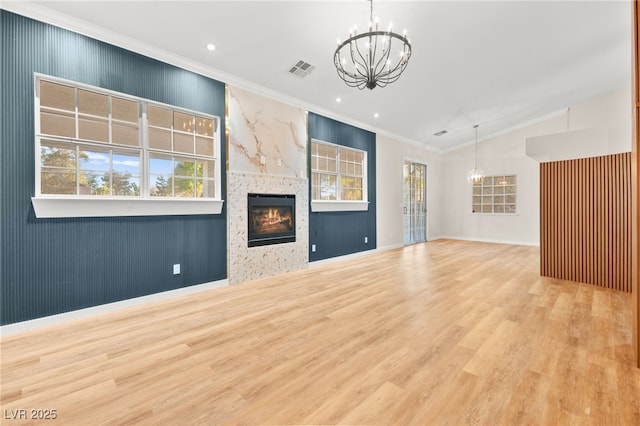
(301, 69)
(440, 133)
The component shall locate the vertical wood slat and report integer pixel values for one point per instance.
(635, 183)
(585, 220)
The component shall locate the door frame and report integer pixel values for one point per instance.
(426, 195)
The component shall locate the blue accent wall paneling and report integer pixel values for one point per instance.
(341, 233)
(50, 266)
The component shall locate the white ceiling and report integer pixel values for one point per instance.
(495, 63)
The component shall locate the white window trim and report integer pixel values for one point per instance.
(339, 206)
(343, 205)
(61, 206)
(57, 207)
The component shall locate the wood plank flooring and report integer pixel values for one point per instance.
(442, 333)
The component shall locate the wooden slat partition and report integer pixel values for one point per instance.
(585, 220)
(635, 183)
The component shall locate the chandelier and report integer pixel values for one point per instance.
(373, 58)
(476, 175)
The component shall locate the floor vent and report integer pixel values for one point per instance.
(301, 69)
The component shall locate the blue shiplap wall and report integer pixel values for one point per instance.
(342, 233)
(49, 266)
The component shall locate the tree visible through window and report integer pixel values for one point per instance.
(93, 142)
(338, 173)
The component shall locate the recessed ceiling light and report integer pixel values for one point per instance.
(211, 47)
(338, 100)
(376, 115)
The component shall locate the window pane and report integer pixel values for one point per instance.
(160, 117)
(510, 189)
(58, 124)
(93, 103)
(487, 190)
(331, 166)
(125, 110)
(125, 135)
(204, 188)
(314, 148)
(160, 164)
(56, 95)
(204, 169)
(322, 150)
(498, 189)
(125, 184)
(487, 209)
(184, 167)
(183, 122)
(332, 152)
(94, 159)
(93, 130)
(57, 154)
(94, 183)
(160, 178)
(510, 180)
(477, 200)
(327, 187)
(159, 139)
(477, 190)
(54, 181)
(510, 199)
(183, 143)
(498, 209)
(477, 208)
(498, 199)
(510, 208)
(183, 187)
(204, 146)
(358, 170)
(204, 126)
(126, 162)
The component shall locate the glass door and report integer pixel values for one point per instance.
(414, 202)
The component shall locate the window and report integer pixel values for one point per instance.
(97, 144)
(338, 176)
(495, 194)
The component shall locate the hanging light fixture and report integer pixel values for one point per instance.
(476, 175)
(374, 58)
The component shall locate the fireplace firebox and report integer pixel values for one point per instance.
(272, 219)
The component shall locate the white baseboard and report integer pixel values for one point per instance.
(33, 324)
(488, 240)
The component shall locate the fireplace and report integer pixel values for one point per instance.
(272, 219)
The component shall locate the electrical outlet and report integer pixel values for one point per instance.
(366, 240)
(279, 161)
(176, 269)
(263, 159)
(313, 248)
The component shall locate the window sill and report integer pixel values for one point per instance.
(339, 206)
(52, 207)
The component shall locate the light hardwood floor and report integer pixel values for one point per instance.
(446, 332)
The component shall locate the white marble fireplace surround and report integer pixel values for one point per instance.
(267, 155)
(248, 263)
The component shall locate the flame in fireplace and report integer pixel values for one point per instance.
(269, 220)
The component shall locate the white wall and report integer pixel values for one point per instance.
(506, 154)
(390, 156)
(596, 127)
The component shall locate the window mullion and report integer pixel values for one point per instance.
(143, 134)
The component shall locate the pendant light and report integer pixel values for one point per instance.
(475, 175)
